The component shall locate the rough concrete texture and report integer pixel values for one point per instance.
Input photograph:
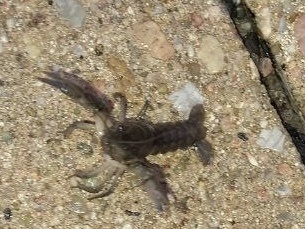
(246, 187)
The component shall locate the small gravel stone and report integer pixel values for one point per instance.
(190, 51)
(196, 19)
(265, 66)
(252, 160)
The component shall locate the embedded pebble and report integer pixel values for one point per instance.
(196, 19)
(299, 29)
(252, 160)
(211, 54)
(73, 11)
(265, 66)
(151, 35)
(185, 98)
(284, 169)
(190, 51)
(272, 139)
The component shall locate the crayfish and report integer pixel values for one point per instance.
(128, 141)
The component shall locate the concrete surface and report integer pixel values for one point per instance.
(246, 187)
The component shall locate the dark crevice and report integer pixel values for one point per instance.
(274, 80)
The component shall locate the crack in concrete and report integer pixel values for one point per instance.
(274, 80)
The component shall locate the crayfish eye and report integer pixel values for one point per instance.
(120, 128)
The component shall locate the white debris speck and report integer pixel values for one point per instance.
(78, 50)
(73, 11)
(185, 98)
(272, 139)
